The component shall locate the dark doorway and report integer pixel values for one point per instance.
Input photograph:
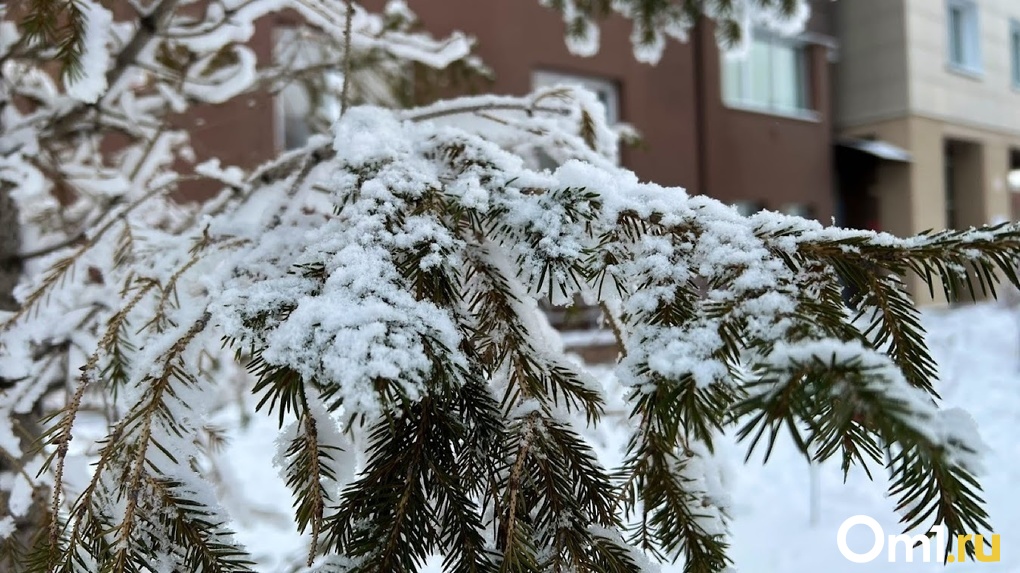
(1013, 183)
(964, 197)
(856, 173)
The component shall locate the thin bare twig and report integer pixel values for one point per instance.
(615, 325)
(454, 110)
(345, 94)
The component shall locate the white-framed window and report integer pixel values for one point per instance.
(606, 90)
(771, 77)
(963, 35)
(293, 103)
(295, 107)
(1014, 51)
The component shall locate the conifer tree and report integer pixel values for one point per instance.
(376, 292)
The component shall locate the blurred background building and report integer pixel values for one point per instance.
(941, 80)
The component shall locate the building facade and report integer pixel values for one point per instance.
(927, 99)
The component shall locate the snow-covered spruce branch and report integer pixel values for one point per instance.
(148, 76)
(520, 133)
(55, 141)
(408, 310)
(855, 403)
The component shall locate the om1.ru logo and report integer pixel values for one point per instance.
(927, 550)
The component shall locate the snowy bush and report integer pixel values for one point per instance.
(377, 292)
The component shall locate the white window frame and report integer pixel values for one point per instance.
(279, 104)
(970, 49)
(1014, 52)
(743, 102)
(601, 86)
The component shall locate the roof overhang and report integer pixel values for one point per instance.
(824, 40)
(880, 149)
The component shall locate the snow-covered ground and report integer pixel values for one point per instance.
(978, 351)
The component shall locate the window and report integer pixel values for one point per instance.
(297, 109)
(748, 208)
(963, 36)
(798, 210)
(1014, 51)
(771, 77)
(605, 90)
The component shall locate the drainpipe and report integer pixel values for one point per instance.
(10, 243)
(700, 134)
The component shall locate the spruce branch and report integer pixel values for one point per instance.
(383, 518)
(950, 258)
(860, 410)
(467, 106)
(59, 270)
(895, 325)
(518, 552)
(573, 490)
(307, 465)
(172, 368)
(503, 340)
(194, 530)
(62, 432)
(615, 325)
(59, 24)
(671, 522)
(473, 450)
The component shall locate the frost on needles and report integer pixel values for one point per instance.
(377, 290)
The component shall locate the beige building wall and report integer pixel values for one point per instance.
(985, 99)
(990, 203)
(871, 78)
(982, 107)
